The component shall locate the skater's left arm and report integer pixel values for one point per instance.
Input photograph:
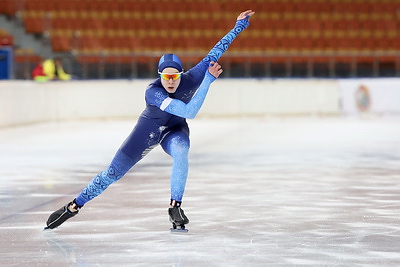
(198, 71)
(190, 110)
(242, 22)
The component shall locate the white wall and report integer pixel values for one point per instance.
(232, 97)
(28, 102)
(24, 102)
(376, 96)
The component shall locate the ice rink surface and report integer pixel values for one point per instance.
(260, 192)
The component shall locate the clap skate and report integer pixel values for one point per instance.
(177, 217)
(61, 215)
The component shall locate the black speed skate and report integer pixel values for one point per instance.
(61, 215)
(178, 218)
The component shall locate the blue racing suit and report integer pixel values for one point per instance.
(164, 122)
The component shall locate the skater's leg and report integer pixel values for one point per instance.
(177, 145)
(119, 166)
(140, 141)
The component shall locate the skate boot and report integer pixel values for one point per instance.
(177, 217)
(61, 215)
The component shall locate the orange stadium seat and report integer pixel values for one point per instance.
(59, 23)
(61, 43)
(128, 5)
(34, 24)
(66, 6)
(10, 7)
(36, 5)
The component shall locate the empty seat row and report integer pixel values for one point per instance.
(202, 43)
(372, 6)
(43, 23)
(142, 5)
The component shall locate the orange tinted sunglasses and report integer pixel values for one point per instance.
(168, 76)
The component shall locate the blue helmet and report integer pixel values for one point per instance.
(170, 61)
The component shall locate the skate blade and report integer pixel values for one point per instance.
(179, 230)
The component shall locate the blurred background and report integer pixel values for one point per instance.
(113, 39)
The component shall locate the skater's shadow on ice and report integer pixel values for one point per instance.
(64, 249)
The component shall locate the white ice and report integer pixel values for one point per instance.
(260, 192)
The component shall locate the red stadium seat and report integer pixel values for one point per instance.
(61, 43)
(34, 24)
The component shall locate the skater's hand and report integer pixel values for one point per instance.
(246, 14)
(215, 69)
(243, 21)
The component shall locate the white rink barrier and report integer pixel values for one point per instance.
(370, 96)
(23, 102)
(283, 97)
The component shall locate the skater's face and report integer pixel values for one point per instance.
(170, 79)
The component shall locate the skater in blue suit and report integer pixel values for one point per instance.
(171, 99)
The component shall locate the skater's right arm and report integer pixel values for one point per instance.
(190, 110)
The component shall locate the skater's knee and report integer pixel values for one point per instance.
(121, 163)
(119, 166)
(179, 148)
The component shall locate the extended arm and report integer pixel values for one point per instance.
(242, 23)
(190, 110)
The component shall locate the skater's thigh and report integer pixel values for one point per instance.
(144, 137)
(176, 141)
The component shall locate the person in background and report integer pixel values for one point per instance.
(54, 70)
(171, 99)
(38, 73)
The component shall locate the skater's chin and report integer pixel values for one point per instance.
(171, 90)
